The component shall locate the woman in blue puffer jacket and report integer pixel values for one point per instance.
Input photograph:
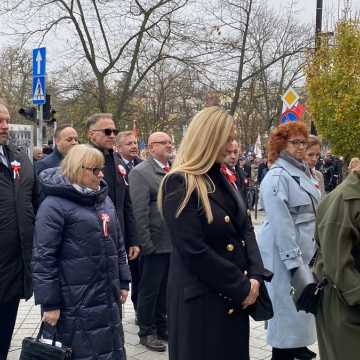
(80, 270)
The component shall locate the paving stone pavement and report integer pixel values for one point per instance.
(28, 322)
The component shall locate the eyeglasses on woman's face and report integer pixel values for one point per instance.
(298, 142)
(95, 170)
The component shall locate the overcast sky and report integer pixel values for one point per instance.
(307, 10)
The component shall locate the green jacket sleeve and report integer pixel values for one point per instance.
(337, 239)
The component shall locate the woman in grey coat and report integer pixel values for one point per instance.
(286, 241)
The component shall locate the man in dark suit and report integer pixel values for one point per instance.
(127, 151)
(17, 184)
(101, 133)
(232, 162)
(144, 181)
(65, 138)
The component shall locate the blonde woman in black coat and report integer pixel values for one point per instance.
(216, 268)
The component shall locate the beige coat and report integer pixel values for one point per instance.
(320, 178)
(338, 233)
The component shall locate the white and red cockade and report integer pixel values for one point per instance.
(123, 173)
(16, 167)
(105, 219)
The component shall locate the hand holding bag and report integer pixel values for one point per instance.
(34, 349)
(262, 309)
(306, 289)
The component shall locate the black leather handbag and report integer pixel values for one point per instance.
(34, 349)
(306, 290)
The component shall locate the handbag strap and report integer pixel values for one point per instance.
(41, 330)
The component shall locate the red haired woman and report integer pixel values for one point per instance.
(289, 197)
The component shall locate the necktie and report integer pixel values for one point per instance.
(3, 159)
(130, 165)
(166, 169)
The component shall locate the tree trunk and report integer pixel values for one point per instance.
(102, 94)
(239, 82)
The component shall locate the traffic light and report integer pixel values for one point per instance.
(28, 113)
(52, 116)
(47, 108)
(48, 111)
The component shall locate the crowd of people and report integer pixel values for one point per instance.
(251, 169)
(81, 226)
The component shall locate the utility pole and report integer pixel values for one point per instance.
(318, 29)
(318, 26)
(347, 9)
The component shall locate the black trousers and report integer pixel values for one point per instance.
(281, 354)
(135, 280)
(151, 309)
(8, 312)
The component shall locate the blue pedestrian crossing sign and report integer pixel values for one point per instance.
(39, 90)
(39, 76)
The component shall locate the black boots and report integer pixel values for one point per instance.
(302, 353)
(152, 343)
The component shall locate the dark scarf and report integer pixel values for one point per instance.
(301, 165)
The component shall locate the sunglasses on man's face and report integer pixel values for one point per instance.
(95, 170)
(108, 132)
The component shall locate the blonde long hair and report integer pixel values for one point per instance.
(207, 135)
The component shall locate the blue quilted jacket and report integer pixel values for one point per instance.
(79, 270)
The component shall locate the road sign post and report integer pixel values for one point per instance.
(39, 88)
(40, 121)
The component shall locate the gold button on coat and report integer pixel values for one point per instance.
(231, 311)
(230, 247)
(227, 219)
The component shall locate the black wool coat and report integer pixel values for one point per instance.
(120, 196)
(17, 196)
(79, 267)
(209, 272)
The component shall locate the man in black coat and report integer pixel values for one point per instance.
(101, 134)
(155, 242)
(65, 138)
(17, 186)
(245, 167)
(127, 151)
(330, 172)
(262, 170)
